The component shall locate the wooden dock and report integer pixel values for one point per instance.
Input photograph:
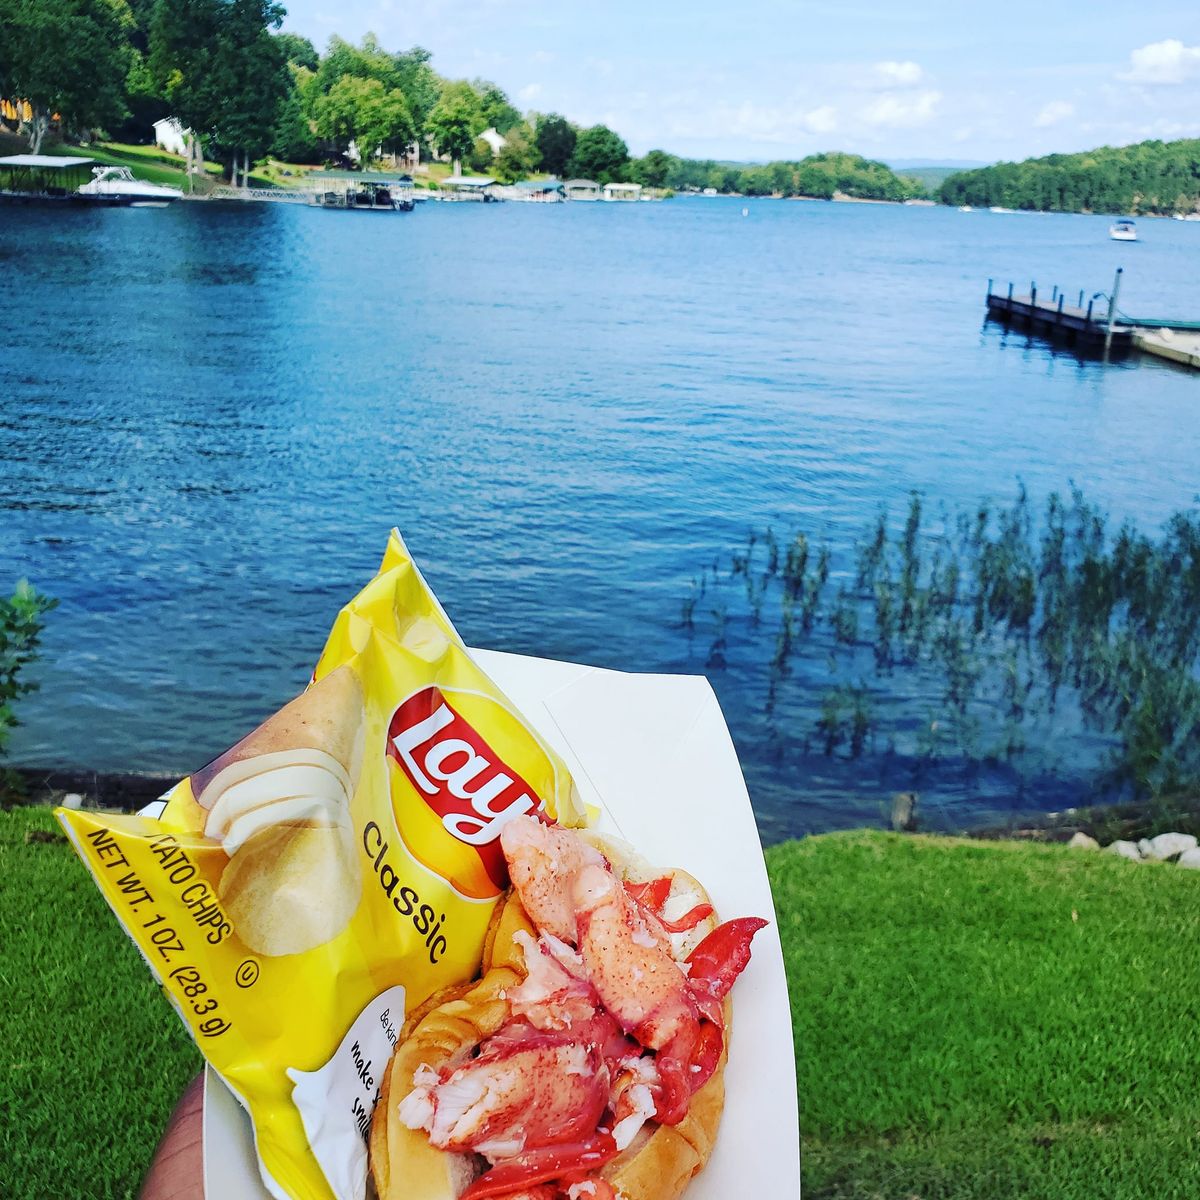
(1092, 326)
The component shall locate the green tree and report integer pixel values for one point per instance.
(481, 160)
(293, 139)
(555, 139)
(363, 111)
(298, 50)
(455, 122)
(419, 83)
(223, 72)
(600, 154)
(369, 60)
(144, 102)
(519, 157)
(70, 57)
(1152, 176)
(495, 106)
(654, 169)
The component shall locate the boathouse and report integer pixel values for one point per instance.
(539, 191)
(622, 191)
(581, 189)
(468, 187)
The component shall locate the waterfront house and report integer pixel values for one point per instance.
(171, 136)
(497, 141)
(581, 189)
(622, 191)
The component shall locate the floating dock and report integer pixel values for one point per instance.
(1179, 347)
(1094, 324)
(1091, 326)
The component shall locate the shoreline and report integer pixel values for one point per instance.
(129, 791)
(124, 790)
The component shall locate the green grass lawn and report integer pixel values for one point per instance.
(972, 1019)
(155, 165)
(991, 1019)
(151, 163)
(92, 1059)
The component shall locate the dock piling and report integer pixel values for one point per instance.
(1112, 310)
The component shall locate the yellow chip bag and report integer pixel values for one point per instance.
(329, 872)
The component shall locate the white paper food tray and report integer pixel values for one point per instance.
(654, 754)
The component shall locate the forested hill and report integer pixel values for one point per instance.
(819, 176)
(1149, 177)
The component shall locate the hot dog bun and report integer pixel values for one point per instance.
(657, 1165)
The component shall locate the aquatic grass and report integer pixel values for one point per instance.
(1019, 622)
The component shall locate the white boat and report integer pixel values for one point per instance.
(1123, 230)
(965, 208)
(118, 184)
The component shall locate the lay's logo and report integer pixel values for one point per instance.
(459, 776)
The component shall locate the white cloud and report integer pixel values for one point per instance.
(903, 111)
(530, 92)
(821, 120)
(1168, 61)
(684, 115)
(541, 56)
(897, 74)
(1052, 113)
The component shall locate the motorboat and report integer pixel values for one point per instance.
(1123, 230)
(119, 185)
(965, 208)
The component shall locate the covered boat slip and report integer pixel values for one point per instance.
(41, 178)
(478, 188)
(361, 191)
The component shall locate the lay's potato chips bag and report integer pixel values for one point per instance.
(330, 871)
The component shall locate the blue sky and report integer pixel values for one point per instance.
(761, 79)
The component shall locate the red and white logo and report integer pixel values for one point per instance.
(459, 776)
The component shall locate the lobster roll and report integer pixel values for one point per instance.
(586, 1063)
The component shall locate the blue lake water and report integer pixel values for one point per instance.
(212, 414)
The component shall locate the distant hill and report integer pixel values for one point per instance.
(930, 176)
(1148, 177)
(956, 164)
(820, 176)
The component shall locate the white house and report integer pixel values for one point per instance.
(171, 136)
(497, 141)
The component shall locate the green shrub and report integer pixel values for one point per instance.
(21, 627)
